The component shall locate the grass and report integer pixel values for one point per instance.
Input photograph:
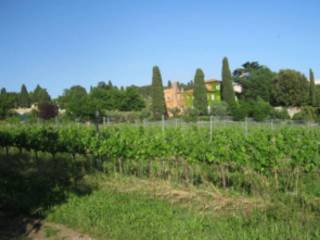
(113, 206)
(111, 213)
(50, 232)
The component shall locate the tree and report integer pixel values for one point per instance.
(47, 110)
(40, 95)
(200, 101)
(7, 102)
(313, 100)
(76, 103)
(131, 100)
(158, 103)
(257, 84)
(24, 98)
(290, 88)
(246, 69)
(227, 87)
(169, 84)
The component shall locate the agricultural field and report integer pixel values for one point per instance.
(142, 181)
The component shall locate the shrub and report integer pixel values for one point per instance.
(190, 115)
(306, 114)
(220, 109)
(261, 110)
(280, 114)
(47, 110)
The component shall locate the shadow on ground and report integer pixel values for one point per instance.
(29, 186)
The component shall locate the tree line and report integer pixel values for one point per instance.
(262, 89)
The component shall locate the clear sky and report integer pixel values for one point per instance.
(60, 43)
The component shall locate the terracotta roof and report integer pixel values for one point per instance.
(212, 80)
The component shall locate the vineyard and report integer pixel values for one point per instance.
(42, 164)
(146, 151)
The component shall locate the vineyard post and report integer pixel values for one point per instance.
(271, 124)
(245, 127)
(104, 120)
(108, 120)
(163, 124)
(211, 126)
(176, 120)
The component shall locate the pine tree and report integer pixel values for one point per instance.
(158, 102)
(169, 84)
(24, 98)
(227, 87)
(200, 101)
(312, 89)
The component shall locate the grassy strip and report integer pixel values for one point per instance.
(110, 214)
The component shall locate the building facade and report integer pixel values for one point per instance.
(178, 100)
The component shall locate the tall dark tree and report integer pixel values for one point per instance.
(200, 101)
(158, 103)
(3, 91)
(169, 84)
(312, 93)
(24, 98)
(227, 87)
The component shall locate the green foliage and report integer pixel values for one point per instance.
(261, 110)
(290, 88)
(200, 102)
(24, 98)
(240, 110)
(131, 100)
(246, 69)
(307, 113)
(7, 102)
(257, 83)
(158, 103)
(76, 103)
(227, 86)
(313, 100)
(280, 114)
(219, 109)
(40, 95)
(190, 115)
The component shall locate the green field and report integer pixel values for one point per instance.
(135, 182)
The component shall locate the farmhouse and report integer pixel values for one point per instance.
(178, 98)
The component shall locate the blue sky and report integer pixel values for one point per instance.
(60, 43)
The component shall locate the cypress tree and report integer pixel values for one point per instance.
(227, 87)
(312, 89)
(200, 101)
(158, 103)
(24, 98)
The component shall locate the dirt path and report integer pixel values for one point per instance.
(24, 228)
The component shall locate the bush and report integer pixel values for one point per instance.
(306, 114)
(220, 109)
(240, 110)
(280, 114)
(261, 110)
(47, 110)
(190, 115)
